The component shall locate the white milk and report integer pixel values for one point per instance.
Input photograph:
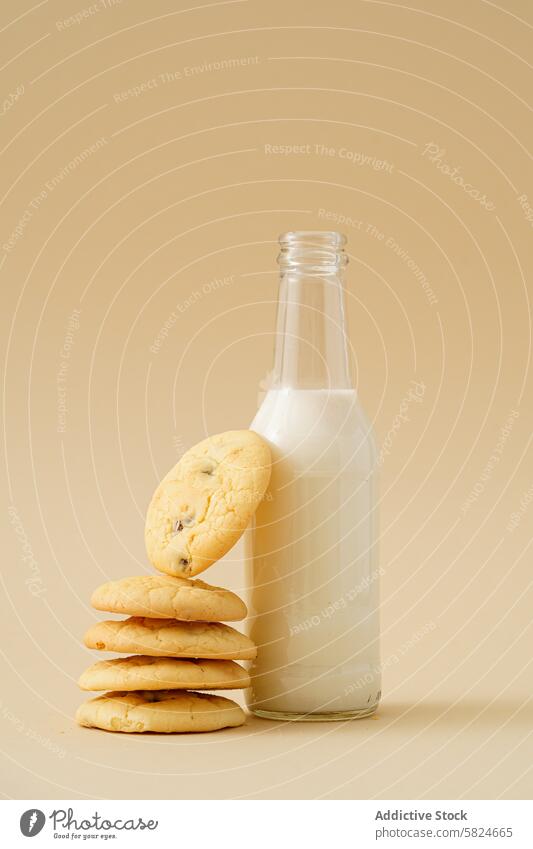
(311, 557)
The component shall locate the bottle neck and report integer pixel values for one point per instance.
(311, 342)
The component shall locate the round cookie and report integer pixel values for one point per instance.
(163, 711)
(170, 638)
(140, 672)
(165, 597)
(203, 505)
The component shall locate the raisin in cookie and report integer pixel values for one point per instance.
(203, 505)
(162, 711)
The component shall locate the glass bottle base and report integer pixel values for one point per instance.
(333, 716)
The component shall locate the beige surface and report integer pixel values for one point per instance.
(137, 316)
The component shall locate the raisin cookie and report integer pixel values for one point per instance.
(163, 711)
(164, 597)
(203, 505)
(140, 672)
(170, 638)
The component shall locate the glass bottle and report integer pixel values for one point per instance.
(311, 551)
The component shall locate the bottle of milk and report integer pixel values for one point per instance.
(311, 552)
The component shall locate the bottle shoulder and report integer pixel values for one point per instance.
(313, 423)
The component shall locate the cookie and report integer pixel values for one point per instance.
(163, 711)
(170, 638)
(164, 597)
(140, 672)
(203, 505)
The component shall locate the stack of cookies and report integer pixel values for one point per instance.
(174, 636)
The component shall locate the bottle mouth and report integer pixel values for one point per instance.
(312, 251)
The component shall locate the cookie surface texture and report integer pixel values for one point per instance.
(203, 505)
(166, 597)
(170, 638)
(141, 672)
(162, 711)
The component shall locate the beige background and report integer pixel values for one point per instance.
(176, 106)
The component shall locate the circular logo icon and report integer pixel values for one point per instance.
(32, 822)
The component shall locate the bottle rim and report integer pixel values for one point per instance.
(331, 238)
(312, 251)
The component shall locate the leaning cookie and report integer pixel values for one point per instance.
(140, 672)
(203, 505)
(170, 638)
(162, 711)
(165, 597)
